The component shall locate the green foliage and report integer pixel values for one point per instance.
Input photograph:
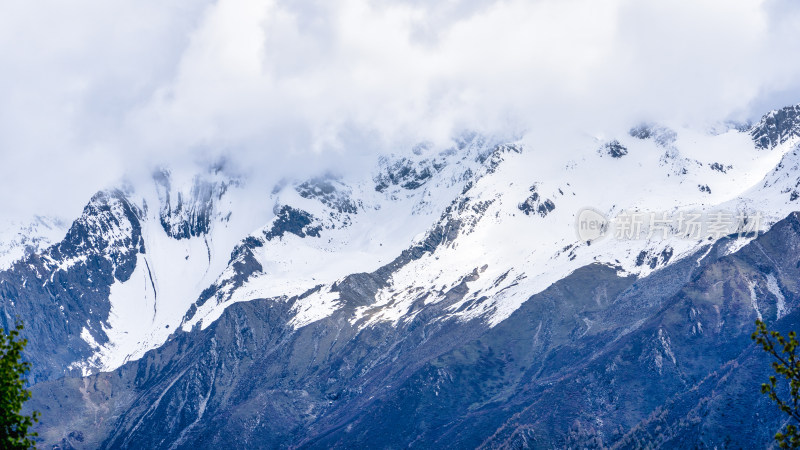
(14, 428)
(786, 366)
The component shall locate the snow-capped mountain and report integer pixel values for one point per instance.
(21, 238)
(347, 292)
(477, 196)
(126, 270)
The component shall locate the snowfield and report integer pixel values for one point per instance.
(497, 219)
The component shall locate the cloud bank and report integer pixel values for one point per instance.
(92, 90)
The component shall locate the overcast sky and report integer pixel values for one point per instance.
(93, 89)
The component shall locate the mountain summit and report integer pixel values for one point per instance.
(446, 298)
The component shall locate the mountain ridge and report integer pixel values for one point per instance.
(379, 286)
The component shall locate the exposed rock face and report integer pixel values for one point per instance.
(614, 149)
(442, 300)
(65, 290)
(290, 220)
(553, 374)
(187, 214)
(777, 127)
(329, 192)
(534, 204)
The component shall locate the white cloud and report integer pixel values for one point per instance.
(92, 89)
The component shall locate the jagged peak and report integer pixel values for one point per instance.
(20, 239)
(331, 192)
(776, 127)
(293, 221)
(189, 209)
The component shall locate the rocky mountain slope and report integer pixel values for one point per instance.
(443, 299)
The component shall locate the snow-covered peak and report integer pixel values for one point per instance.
(777, 127)
(188, 227)
(508, 230)
(21, 238)
(474, 229)
(329, 227)
(190, 209)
